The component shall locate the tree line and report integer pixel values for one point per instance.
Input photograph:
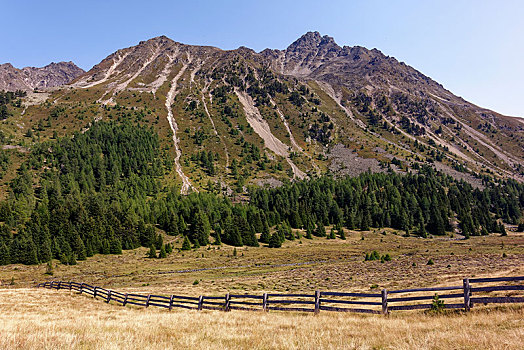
(103, 191)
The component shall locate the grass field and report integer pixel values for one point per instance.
(48, 319)
(320, 263)
(40, 318)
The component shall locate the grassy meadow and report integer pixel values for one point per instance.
(300, 265)
(50, 319)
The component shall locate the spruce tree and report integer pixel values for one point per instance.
(200, 229)
(265, 236)
(341, 233)
(186, 245)
(274, 241)
(309, 233)
(72, 259)
(320, 230)
(162, 253)
(106, 247)
(115, 246)
(350, 220)
(152, 252)
(365, 221)
(332, 234)
(4, 254)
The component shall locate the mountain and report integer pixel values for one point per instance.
(104, 163)
(28, 78)
(231, 118)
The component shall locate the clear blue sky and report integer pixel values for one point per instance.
(474, 48)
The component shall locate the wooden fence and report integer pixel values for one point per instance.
(473, 291)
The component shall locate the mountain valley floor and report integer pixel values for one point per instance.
(60, 319)
(299, 266)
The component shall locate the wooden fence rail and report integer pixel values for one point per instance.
(454, 297)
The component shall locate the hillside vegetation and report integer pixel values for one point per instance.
(100, 191)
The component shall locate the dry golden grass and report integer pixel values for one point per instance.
(322, 264)
(47, 319)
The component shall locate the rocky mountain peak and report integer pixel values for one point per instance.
(312, 41)
(28, 78)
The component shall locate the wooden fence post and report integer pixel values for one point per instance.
(317, 301)
(108, 296)
(467, 294)
(147, 301)
(70, 285)
(171, 302)
(384, 301)
(59, 285)
(82, 288)
(264, 302)
(227, 302)
(125, 300)
(200, 302)
(94, 292)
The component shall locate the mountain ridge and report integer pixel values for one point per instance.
(315, 107)
(29, 78)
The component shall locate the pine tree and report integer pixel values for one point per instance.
(218, 240)
(350, 220)
(341, 233)
(265, 236)
(309, 232)
(320, 230)
(365, 221)
(4, 254)
(502, 230)
(422, 230)
(200, 228)
(159, 241)
(182, 227)
(162, 253)
(332, 234)
(186, 245)
(106, 247)
(152, 252)
(115, 246)
(72, 259)
(274, 241)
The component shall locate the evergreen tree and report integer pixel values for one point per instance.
(320, 231)
(274, 241)
(265, 236)
(152, 252)
(200, 229)
(186, 245)
(5, 258)
(115, 246)
(341, 233)
(309, 232)
(106, 247)
(162, 253)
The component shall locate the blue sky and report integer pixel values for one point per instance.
(474, 48)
